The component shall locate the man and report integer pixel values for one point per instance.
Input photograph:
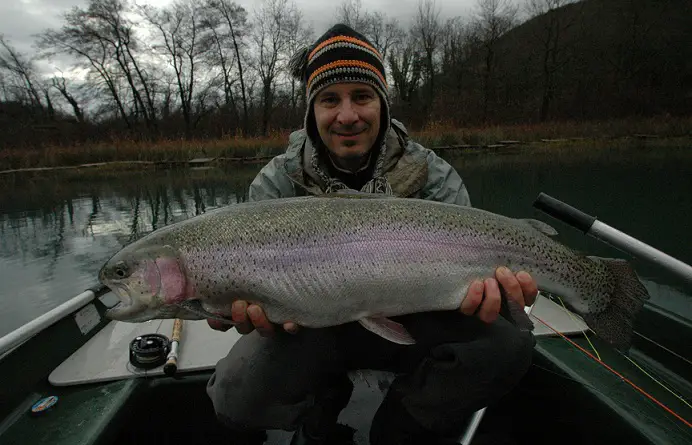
(296, 379)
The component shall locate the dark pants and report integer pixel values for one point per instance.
(458, 366)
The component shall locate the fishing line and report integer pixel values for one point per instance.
(596, 390)
(679, 397)
(625, 379)
(576, 322)
(664, 348)
(655, 380)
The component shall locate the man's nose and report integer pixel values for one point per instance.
(347, 113)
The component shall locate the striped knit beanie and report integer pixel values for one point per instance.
(342, 55)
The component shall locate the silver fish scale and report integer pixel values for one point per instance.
(321, 261)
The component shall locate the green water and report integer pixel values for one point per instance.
(56, 230)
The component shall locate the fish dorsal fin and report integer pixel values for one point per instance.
(387, 329)
(544, 228)
(354, 194)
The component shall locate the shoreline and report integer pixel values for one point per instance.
(192, 158)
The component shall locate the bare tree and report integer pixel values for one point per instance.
(180, 28)
(381, 31)
(428, 31)
(107, 22)
(236, 29)
(553, 51)
(60, 84)
(220, 57)
(455, 51)
(493, 19)
(351, 13)
(406, 65)
(270, 45)
(298, 35)
(102, 38)
(20, 72)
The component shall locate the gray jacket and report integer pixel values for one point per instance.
(412, 170)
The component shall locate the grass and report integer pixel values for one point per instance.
(132, 150)
(585, 135)
(445, 134)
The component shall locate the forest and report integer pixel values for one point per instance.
(210, 69)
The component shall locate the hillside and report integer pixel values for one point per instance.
(592, 59)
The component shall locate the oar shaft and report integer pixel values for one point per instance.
(639, 249)
(471, 429)
(603, 232)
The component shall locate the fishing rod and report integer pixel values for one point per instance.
(591, 226)
(171, 366)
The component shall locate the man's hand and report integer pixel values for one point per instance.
(521, 288)
(248, 318)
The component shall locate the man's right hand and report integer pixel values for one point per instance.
(247, 318)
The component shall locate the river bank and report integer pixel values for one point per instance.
(125, 153)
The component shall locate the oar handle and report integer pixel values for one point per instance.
(564, 212)
(171, 366)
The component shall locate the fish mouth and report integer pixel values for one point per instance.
(126, 309)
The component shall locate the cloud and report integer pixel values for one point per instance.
(21, 20)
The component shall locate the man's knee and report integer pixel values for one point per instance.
(268, 383)
(241, 407)
(514, 353)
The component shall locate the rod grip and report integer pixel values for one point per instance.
(177, 328)
(564, 212)
(171, 366)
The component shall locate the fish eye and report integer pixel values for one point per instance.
(121, 270)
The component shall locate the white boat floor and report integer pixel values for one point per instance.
(105, 357)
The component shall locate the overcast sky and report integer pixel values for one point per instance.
(21, 19)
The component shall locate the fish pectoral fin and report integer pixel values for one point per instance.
(195, 307)
(387, 329)
(544, 228)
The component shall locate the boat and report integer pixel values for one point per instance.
(68, 378)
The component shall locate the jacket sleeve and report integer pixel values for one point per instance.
(444, 183)
(271, 182)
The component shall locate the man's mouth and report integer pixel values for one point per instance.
(349, 134)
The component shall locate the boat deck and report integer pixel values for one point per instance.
(107, 402)
(105, 357)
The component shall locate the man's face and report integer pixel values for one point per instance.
(348, 119)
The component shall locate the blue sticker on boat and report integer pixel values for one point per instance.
(44, 404)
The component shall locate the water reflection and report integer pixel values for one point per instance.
(644, 193)
(56, 230)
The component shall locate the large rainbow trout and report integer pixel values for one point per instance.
(327, 260)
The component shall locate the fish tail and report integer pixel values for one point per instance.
(615, 324)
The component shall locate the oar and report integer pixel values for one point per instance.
(171, 365)
(609, 235)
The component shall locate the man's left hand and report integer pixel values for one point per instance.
(483, 297)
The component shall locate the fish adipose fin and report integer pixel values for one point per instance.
(387, 329)
(615, 324)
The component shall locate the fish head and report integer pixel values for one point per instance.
(149, 281)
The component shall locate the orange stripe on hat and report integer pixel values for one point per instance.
(344, 39)
(346, 63)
